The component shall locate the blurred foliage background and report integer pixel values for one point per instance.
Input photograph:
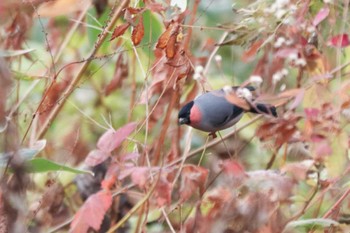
(79, 96)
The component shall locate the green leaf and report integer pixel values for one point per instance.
(153, 29)
(24, 153)
(95, 26)
(315, 222)
(13, 53)
(38, 165)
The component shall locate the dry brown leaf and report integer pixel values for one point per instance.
(240, 102)
(250, 54)
(168, 39)
(138, 32)
(134, 10)
(52, 96)
(121, 72)
(163, 39)
(154, 7)
(119, 30)
(171, 47)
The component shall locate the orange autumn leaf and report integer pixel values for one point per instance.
(163, 39)
(138, 32)
(51, 97)
(121, 72)
(169, 37)
(316, 63)
(250, 54)
(120, 30)
(171, 47)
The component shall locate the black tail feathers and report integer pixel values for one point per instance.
(264, 108)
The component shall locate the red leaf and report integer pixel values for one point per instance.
(250, 54)
(339, 41)
(321, 15)
(52, 96)
(119, 30)
(281, 129)
(162, 192)
(91, 213)
(96, 157)
(126, 171)
(233, 167)
(108, 183)
(134, 10)
(138, 32)
(140, 175)
(121, 72)
(111, 139)
(311, 113)
(193, 177)
(155, 7)
(130, 156)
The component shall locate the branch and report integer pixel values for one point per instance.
(80, 74)
(337, 204)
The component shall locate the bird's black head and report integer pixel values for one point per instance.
(184, 114)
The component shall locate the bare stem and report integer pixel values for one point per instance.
(77, 78)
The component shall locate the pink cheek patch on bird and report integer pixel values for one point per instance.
(195, 115)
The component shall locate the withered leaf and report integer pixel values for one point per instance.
(121, 72)
(171, 47)
(280, 130)
(119, 30)
(250, 54)
(138, 32)
(240, 102)
(172, 30)
(134, 10)
(163, 39)
(193, 178)
(155, 7)
(92, 212)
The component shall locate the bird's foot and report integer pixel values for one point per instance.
(213, 134)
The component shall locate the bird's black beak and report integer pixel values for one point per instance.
(183, 121)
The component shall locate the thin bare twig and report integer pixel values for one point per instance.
(337, 204)
(168, 220)
(77, 78)
(136, 207)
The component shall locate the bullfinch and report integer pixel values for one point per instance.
(211, 112)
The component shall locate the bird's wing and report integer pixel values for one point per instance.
(217, 110)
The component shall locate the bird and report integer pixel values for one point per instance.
(212, 112)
